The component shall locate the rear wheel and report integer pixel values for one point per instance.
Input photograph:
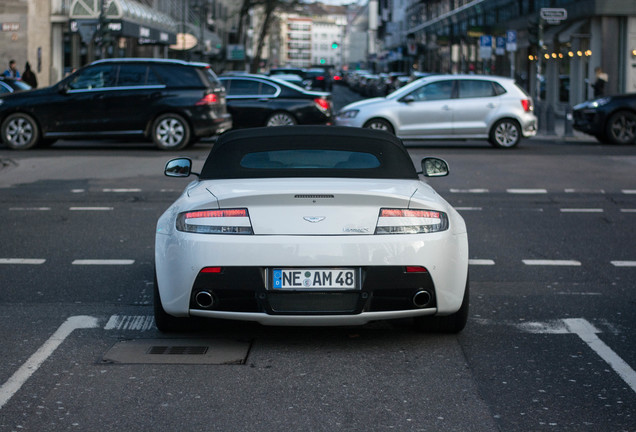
(379, 124)
(506, 133)
(170, 132)
(165, 322)
(20, 132)
(453, 323)
(281, 119)
(621, 128)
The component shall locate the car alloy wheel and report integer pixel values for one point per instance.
(621, 128)
(171, 132)
(20, 132)
(505, 133)
(379, 124)
(281, 119)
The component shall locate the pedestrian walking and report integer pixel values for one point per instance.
(28, 76)
(599, 84)
(13, 71)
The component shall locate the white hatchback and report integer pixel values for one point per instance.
(450, 107)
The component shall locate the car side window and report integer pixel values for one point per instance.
(96, 77)
(132, 75)
(242, 87)
(178, 76)
(267, 90)
(438, 90)
(476, 89)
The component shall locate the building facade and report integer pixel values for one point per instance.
(552, 47)
(58, 36)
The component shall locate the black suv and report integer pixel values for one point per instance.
(171, 102)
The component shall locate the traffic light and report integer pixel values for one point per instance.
(323, 61)
(334, 45)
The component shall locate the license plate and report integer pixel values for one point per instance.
(314, 279)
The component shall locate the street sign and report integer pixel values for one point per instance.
(485, 47)
(511, 40)
(501, 45)
(553, 15)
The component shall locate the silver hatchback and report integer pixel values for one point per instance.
(450, 107)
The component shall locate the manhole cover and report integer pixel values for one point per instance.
(178, 351)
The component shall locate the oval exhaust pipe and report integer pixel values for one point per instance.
(204, 299)
(421, 299)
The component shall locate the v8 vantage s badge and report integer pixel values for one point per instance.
(314, 219)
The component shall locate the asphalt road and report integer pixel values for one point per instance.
(549, 344)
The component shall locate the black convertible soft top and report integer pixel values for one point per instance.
(227, 159)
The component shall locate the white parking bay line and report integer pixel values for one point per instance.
(474, 191)
(624, 263)
(532, 262)
(15, 382)
(527, 191)
(481, 262)
(587, 333)
(130, 322)
(468, 208)
(628, 210)
(32, 261)
(29, 208)
(581, 210)
(103, 262)
(121, 190)
(629, 191)
(90, 208)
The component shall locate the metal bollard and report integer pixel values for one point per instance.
(549, 120)
(569, 120)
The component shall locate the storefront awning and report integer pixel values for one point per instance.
(123, 18)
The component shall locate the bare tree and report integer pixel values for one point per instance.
(269, 9)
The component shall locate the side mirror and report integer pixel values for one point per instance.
(181, 167)
(434, 167)
(63, 88)
(407, 99)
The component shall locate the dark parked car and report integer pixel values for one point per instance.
(10, 85)
(259, 100)
(171, 102)
(610, 119)
(319, 78)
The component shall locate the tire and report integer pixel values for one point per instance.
(453, 323)
(170, 132)
(167, 323)
(506, 133)
(379, 124)
(621, 128)
(281, 119)
(20, 132)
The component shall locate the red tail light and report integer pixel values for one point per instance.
(208, 99)
(211, 270)
(320, 78)
(527, 105)
(416, 269)
(323, 104)
(337, 77)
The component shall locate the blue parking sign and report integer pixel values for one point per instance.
(511, 40)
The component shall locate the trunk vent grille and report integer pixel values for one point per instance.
(313, 196)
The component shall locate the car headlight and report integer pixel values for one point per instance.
(599, 102)
(226, 221)
(348, 114)
(407, 221)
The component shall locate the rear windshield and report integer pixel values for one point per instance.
(313, 159)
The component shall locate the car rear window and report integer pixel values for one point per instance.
(308, 151)
(313, 159)
(178, 76)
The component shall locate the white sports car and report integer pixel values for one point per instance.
(311, 226)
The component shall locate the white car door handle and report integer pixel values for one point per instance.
(491, 105)
(445, 108)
